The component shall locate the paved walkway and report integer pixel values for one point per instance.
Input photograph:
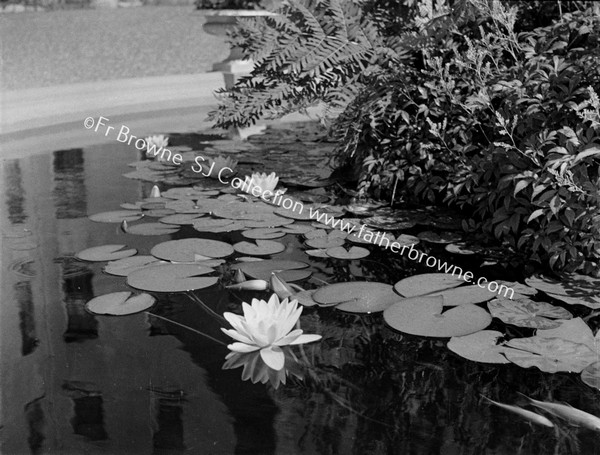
(65, 47)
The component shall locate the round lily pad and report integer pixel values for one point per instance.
(357, 296)
(268, 221)
(120, 303)
(152, 229)
(187, 250)
(426, 283)
(171, 278)
(479, 347)
(317, 253)
(105, 253)
(325, 242)
(116, 216)
(263, 233)
(423, 316)
(125, 266)
(181, 218)
(287, 270)
(355, 252)
(574, 289)
(188, 206)
(527, 313)
(550, 354)
(212, 225)
(465, 295)
(261, 248)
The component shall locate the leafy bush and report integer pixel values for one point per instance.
(473, 106)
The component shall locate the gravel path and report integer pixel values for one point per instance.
(63, 47)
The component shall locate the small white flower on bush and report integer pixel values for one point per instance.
(266, 326)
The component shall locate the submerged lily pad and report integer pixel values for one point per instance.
(527, 313)
(152, 229)
(105, 253)
(423, 316)
(187, 250)
(125, 266)
(426, 283)
(550, 354)
(357, 296)
(285, 269)
(479, 347)
(116, 216)
(261, 248)
(171, 278)
(120, 303)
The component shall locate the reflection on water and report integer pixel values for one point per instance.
(76, 383)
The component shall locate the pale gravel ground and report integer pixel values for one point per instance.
(42, 49)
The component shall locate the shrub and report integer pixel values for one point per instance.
(474, 106)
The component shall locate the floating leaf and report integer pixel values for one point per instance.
(405, 239)
(261, 248)
(125, 266)
(285, 269)
(441, 238)
(171, 278)
(550, 354)
(479, 347)
(268, 221)
(461, 248)
(187, 206)
(527, 313)
(152, 229)
(423, 316)
(591, 375)
(426, 283)
(465, 295)
(210, 225)
(181, 218)
(325, 242)
(186, 250)
(317, 253)
(116, 216)
(264, 233)
(355, 252)
(297, 229)
(575, 330)
(357, 296)
(105, 253)
(120, 303)
(389, 223)
(574, 290)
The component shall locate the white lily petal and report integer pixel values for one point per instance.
(289, 338)
(273, 356)
(242, 347)
(237, 336)
(308, 338)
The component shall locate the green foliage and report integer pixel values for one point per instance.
(472, 105)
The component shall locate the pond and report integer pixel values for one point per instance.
(154, 382)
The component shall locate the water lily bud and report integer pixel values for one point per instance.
(239, 276)
(155, 191)
(250, 285)
(280, 287)
(124, 226)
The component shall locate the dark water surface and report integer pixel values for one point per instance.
(75, 383)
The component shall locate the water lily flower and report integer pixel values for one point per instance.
(262, 181)
(155, 143)
(265, 327)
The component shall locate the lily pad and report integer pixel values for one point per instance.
(187, 250)
(105, 253)
(441, 238)
(125, 266)
(574, 289)
(355, 252)
(357, 296)
(325, 242)
(171, 278)
(423, 316)
(261, 248)
(211, 225)
(465, 295)
(575, 330)
(317, 253)
(120, 303)
(462, 249)
(264, 233)
(287, 270)
(152, 229)
(550, 354)
(479, 347)
(426, 283)
(591, 375)
(116, 216)
(181, 218)
(297, 229)
(527, 313)
(188, 206)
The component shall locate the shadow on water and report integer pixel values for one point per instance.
(77, 383)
